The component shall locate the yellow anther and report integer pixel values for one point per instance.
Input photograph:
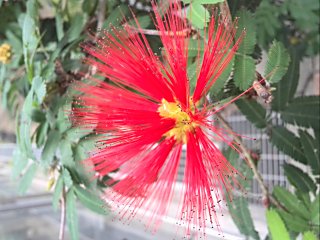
(184, 124)
(5, 53)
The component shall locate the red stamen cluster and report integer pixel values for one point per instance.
(146, 114)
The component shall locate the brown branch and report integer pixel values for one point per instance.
(225, 11)
(63, 215)
(252, 165)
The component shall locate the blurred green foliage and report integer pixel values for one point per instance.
(46, 59)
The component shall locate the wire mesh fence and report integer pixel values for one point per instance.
(270, 158)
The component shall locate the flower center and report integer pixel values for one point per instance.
(184, 123)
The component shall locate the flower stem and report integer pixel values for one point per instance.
(101, 14)
(265, 191)
(63, 215)
(225, 11)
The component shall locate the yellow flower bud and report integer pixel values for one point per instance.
(50, 183)
(5, 53)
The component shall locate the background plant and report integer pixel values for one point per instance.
(45, 59)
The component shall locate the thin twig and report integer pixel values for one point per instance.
(252, 165)
(101, 14)
(63, 215)
(311, 76)
(225, 11)
(154, 32)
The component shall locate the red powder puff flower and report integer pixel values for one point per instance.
(146, 114)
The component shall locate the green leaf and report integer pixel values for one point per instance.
(195, 47)
(38, 116)
(74, 134)
(242, 218)
(304, 198)
(308, 19)
(253, 111)
(40, 88)
(57, 193)
(2, 75)
(114, 18)
(41, 133)
(293, 222)
(66, 153)
(299, 179)
(88, 142)
(239, 206)
(80, 153)
(276, 226)
(144, 21)
(232, 157)
(288, 143)
(309, 236)
(74, 8)
(286, 88)
(277, 63)
(29, 36)
(76, 27)
(192, 75)
(72, 65)
(311, 150)
(27, 178)
(246, 21)
(72, 215)
(63, 123)
(246, 171)
(198, 15)
(83, 170)
(315, 214)
(51, 146)
(32, 9)
(67, 179)
(23, 135)
(89, 6)
(91, 200)
(20, 161)
(59, 25)
(15, 41)
(303, 111)
(267, 21)
(244, 71)
(218, 85)
(27, 105)
(291, 202)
